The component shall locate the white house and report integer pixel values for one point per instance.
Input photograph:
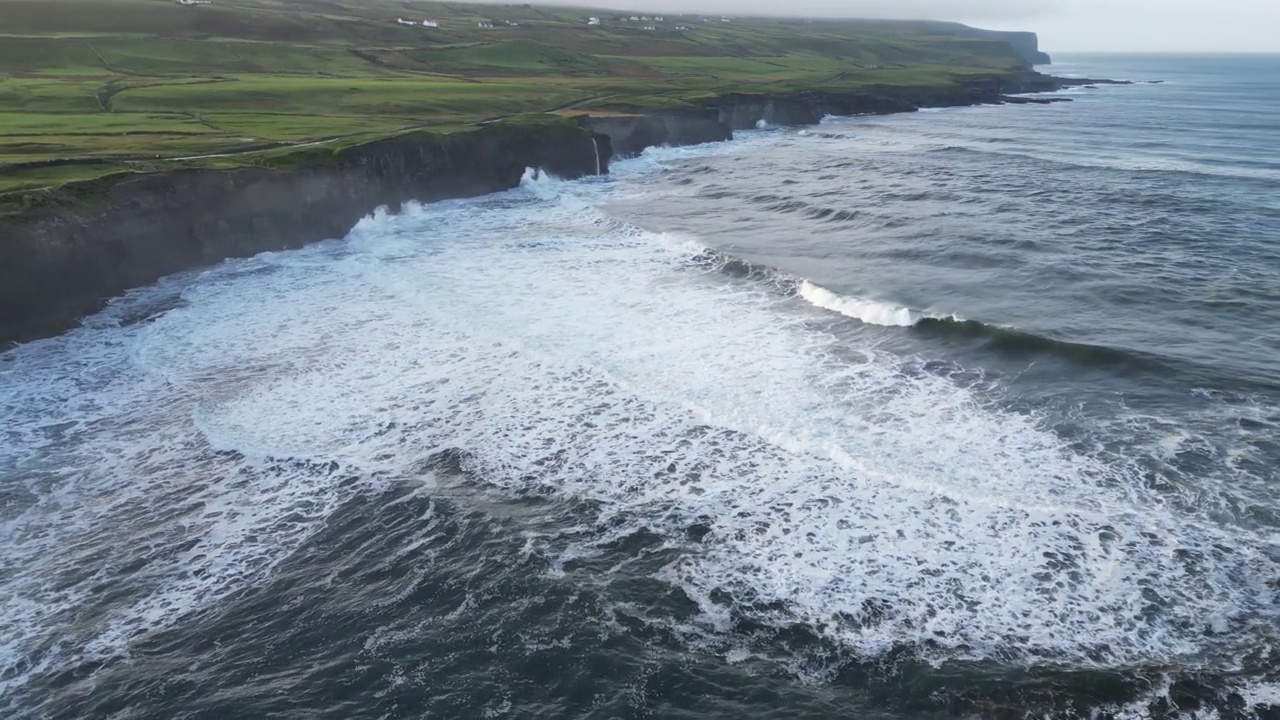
(194, 2)
(484, 24)
(402, 21)
(430, 23)
(593, 21)
(657, 18)
(650, 27)
(635, 19)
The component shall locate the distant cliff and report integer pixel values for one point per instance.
(1026, 44)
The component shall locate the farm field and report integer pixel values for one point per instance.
(89, 87)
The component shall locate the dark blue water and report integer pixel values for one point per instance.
(963, 413)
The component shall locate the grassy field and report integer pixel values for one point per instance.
(96, 86)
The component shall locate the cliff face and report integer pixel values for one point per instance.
(631, 134)
(741, 111)
(61, 260)
(1026, 44)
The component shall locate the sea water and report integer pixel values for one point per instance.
(972, 412)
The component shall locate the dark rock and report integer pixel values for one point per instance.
(89, 241)
(631, 134)
(1085, 82)
(1023, 100)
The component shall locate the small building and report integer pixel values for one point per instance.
(194, 2)
(593, 21)
(402, 21)
(430, 23)
(657, 18)
(485, 24)
(650, 27)
(635, 19)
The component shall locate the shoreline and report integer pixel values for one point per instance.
(68, 250)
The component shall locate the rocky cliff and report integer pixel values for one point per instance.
(1026, 44)
(631, 134)
(62, 257)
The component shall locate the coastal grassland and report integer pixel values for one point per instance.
(89, 87)
(85, 182)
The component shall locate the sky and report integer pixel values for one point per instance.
(1141, 25)
(1063, 25)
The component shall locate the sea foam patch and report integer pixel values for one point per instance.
(570, 354)
(895, 508)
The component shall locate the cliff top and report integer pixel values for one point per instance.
(92, 87)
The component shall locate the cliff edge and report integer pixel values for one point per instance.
(61, 257)
(1026, 44)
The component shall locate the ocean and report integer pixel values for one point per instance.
(964, 413)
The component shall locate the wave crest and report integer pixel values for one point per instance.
(868, 311)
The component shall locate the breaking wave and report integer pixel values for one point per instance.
(1000, 339)
(867, 311)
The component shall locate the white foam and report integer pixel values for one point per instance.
(868, 311)
(573, 355)
(666, 157)
(539, 183)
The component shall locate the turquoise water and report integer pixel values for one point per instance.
(960, 413)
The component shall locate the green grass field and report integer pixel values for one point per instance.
(100, 85)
